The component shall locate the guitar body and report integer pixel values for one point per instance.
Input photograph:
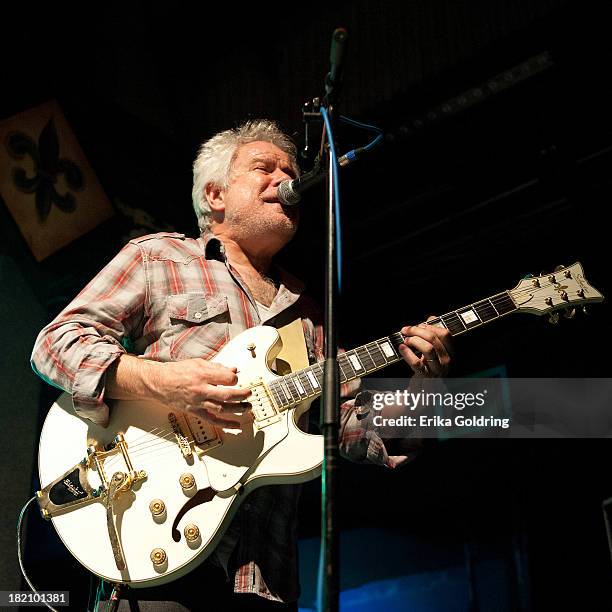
(225, 464)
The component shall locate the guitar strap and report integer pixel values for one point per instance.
(294, 355)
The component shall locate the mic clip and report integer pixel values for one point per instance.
(311, 113)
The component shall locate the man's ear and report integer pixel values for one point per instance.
(215, 197)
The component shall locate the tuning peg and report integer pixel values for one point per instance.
(559, 268)
(585, 310)
(549, 276)
(569, 313)
(553, 318)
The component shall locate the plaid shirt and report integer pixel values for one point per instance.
(167, 297)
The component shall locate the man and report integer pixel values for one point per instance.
(178, 301)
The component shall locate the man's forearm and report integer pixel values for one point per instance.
(132, 378)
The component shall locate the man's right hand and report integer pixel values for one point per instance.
(192, 385)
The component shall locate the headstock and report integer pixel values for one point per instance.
(564, 289)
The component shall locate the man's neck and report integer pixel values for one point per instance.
(243, 257)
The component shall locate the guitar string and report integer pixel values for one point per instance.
(158, 444)
(499, 300)
(160, 433)
(496, 300)
(155, 456)
(163, 436)
(156, 448)
(135, 457)
(157, 431)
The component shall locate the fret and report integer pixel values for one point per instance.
(296, 381)
(344, 369)
(355, 362)
(453, 323)
(387, 349)
(438, 322)
(306, 382)
(486, 311)
(276, 395)
(364, 357)
(348, 366)
(503, 303)
(376, 354)
(316, 374)
(282, 393)
(396, 339)
(317, 368)
(293, 388)
(287, 384)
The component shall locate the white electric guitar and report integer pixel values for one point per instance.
(147, 499)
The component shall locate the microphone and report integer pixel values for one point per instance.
(336, 59)
(290, 191)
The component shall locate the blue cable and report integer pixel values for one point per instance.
(365, 126)
(336, 195)
(332, 152)
(352, 155)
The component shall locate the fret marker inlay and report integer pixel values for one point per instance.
(387, 349)
(355, 362)
(313, 381)
(469, 316)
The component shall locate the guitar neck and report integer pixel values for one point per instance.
(306, 384)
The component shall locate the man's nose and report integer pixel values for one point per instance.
(279, 176)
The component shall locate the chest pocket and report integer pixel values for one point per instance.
(199, 324)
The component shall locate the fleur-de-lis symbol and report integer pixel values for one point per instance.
(48, 166)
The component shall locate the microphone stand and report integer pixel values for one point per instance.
(331, 391)
(329, 416)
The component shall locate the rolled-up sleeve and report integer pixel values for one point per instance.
(360, 438)
(75, 350)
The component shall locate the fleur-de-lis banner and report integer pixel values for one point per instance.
(47, 182)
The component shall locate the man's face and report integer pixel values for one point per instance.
(251, 201)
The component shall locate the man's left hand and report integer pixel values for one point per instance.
(426, 349)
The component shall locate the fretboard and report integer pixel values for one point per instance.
(291, 389)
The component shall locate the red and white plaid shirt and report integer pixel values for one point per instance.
(167, 297)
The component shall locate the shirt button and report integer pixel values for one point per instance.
(197, 315)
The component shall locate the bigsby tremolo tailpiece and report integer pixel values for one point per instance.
(72, 489)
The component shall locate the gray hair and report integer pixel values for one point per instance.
(213, 163)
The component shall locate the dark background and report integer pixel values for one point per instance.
(489, 172)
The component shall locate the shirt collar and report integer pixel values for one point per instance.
(290, 287)
(213, 247)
